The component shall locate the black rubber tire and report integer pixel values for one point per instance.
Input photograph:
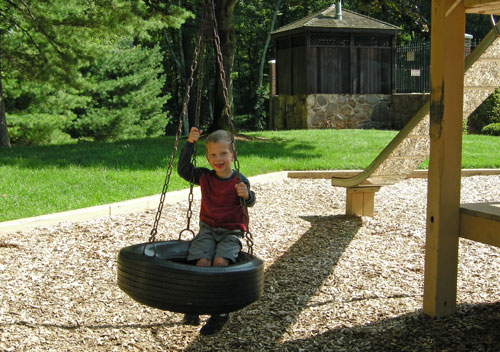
(158, 275)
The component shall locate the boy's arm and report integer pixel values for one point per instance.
(185, 169)
(251, 201)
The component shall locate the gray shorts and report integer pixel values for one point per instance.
(212, 242)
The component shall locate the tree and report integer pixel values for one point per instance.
(124, 96)
(412, 16)
(224, 10)
(49, 41)
(180, 44)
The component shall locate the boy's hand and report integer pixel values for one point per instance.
(242, 190)
(194, 135)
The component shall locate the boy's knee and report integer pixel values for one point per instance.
(219, 261)
(203, 262)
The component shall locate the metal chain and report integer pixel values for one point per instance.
(208, 10)
(189, 213)
(154, 230)
(227, 111)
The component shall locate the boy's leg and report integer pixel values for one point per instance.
(204, 262)
(228, 247)
(220, 261)
(191, 319)
(214, 324)
(201, 249)
(202, 246)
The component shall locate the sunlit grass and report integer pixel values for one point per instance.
(48, 179)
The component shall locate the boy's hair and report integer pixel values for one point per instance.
(219, 136)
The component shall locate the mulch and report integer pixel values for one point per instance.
(332, 282)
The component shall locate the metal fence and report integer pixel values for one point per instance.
(412, 73)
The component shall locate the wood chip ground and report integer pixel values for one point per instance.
(332, 282)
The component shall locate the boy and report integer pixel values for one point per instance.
(222, 222)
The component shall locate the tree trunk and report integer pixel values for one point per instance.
(4, 134)
(224, 15)
(277, 5)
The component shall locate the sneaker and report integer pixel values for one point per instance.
(214, 324)
(191, 319)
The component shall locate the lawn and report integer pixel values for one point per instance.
(38, 180)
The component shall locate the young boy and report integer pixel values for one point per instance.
(222, 222)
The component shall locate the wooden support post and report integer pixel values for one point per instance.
(360, 200)
(443, 198)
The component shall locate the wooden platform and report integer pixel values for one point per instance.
(481, 222)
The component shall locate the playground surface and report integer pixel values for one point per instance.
(332, 282)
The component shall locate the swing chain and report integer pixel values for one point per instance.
(209, 8)
(227, 112)
(154, 230)
(203, 34)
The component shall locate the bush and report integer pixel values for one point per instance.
(125, 96)
(261, 109)
(487, 113)
(491, 129)
(37, 128)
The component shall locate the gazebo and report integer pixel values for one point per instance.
(335, 69)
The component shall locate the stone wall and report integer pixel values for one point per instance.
(339, 111)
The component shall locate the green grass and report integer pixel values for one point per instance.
(36, 180)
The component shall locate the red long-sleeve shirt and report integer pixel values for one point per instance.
(220, 204)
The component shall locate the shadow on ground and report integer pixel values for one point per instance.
(295, 277)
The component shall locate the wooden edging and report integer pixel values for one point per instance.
(148, 203)
(415, 174)
(118, 208)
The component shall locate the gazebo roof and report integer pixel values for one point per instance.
(326, 20)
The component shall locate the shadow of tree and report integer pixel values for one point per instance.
(140, 154)
(471, 328)
(293, 279)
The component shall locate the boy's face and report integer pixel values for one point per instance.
(220, 157)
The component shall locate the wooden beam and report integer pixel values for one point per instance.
(443, 198)
(482, 6)
(481, 222)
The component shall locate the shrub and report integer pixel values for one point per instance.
(260, 109)
(487, 113)
(492, 129)
(37, 128)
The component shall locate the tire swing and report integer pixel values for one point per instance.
(157, 273)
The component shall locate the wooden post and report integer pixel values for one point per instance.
(360, 200)
(272, 94)
(443, 199)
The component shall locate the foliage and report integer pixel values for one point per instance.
(37, 128)
(39, 112)
(492, 129)
(49, 41)
(261, 108)
(487, 113)
(413, 17)
(124, 94)
(64, 42)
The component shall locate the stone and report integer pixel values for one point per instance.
(321, 100)
(332, 108)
